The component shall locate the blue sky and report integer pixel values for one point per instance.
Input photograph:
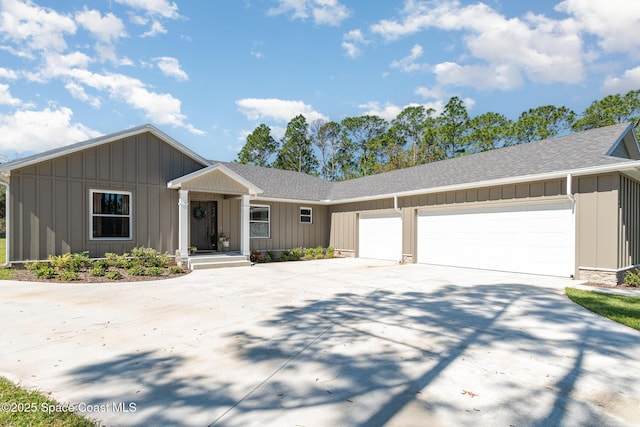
(208, 72)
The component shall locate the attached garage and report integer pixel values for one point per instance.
(536, 238)
(380, 236)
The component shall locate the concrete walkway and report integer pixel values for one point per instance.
(323, 343)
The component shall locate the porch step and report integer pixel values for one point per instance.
(200, 262)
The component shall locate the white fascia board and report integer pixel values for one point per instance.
(299, 201)
(617, 167)
(177, 183)
(105, 139)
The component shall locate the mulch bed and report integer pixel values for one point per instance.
(22, 274)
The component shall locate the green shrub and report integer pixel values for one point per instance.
(70, 262)
(98, 270)
(115, 260)
(284, 256)
(136, 270)
(632, 278)
(318, 252)
(68, 276)
(113, 275)
(296, 254)
(45, 271)
(150, 257)
(36, 265)
(174, 269)
(308, 253)
(330, 253)
(153, 271)
(101, 263)
(269, 256)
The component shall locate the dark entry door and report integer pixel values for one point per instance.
(204, 225)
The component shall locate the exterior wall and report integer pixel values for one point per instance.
(629, 219)
(50, 200)
(597, 221)
(286, 230)
(344, 217)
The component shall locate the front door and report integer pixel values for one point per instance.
(204, 225)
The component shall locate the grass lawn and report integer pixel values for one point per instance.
(20, 407)
(620, 308)
(5, 274)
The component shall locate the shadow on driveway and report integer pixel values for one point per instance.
(491, 354)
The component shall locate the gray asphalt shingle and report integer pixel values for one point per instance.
(564, 153)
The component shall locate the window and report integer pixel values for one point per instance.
(110, 215)
(306, 215)
(260, 222)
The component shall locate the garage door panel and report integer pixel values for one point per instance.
(380, 236)
(528, 238)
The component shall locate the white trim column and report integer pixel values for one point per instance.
(183, 223)
(245, 240)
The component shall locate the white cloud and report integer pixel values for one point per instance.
(439, 99)
(6, 98)
(161, 108)
(352, 42)
(277, 109)
(630, 80)
(408, 64)
(107, 28)
(156, 28)
(29, 130)
(170, 67)
(543, 49)
(6, 73)
(78, 92)
(373, 108)
(482, 77)
(161, 8)
(324, 12)
(615, 22)
(329, 12)
(32, 27)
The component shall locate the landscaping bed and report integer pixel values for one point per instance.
(141, 264)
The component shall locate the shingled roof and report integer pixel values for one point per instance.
(562, 154)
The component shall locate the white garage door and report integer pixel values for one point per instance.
(537, 238)
(380, 236)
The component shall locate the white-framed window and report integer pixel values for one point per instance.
(260, 221)
(306, 215)
(110, 215)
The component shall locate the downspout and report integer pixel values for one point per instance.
(570, 188)
(395, 204)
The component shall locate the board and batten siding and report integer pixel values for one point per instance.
(50, 213)
(344, 235)
(629, 217)
(287, 232)
(597, 221)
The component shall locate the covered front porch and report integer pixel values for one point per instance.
(213, 212)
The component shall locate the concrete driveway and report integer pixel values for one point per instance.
(341, 342)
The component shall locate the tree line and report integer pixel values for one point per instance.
(368, 144)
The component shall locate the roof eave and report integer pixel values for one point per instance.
(251, 188)
(626, 166)
(105, 139)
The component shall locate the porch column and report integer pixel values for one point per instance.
(183, 223)
(245, 241)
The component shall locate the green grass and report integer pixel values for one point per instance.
(3, 251)
(20, 407)
(619, 308)
(5, 274)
